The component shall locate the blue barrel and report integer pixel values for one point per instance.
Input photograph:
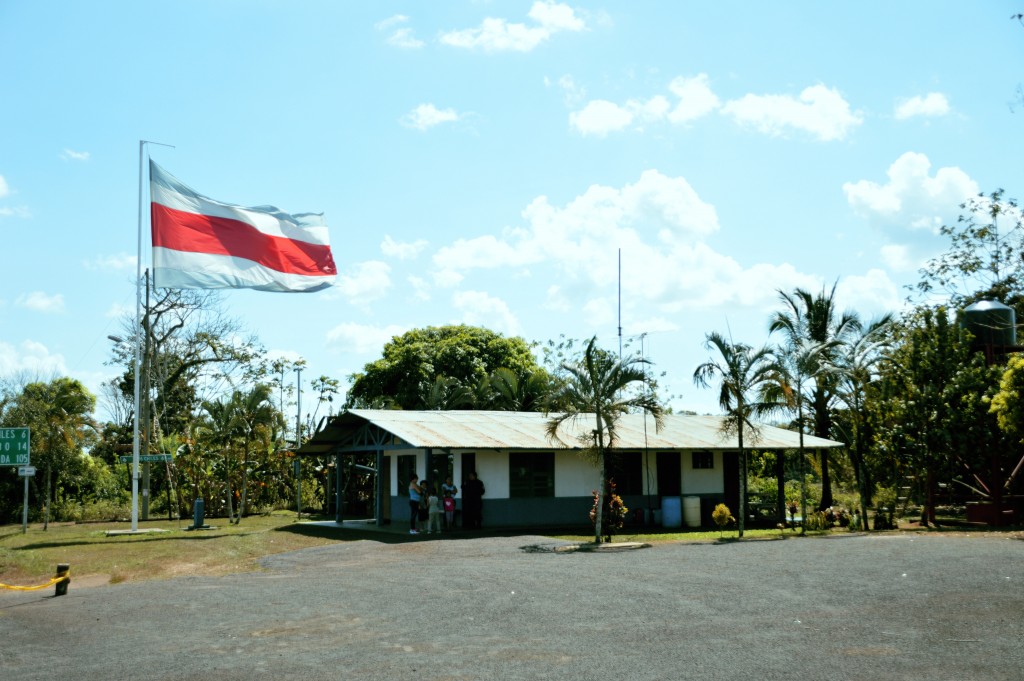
(199, 510)
(671, 512)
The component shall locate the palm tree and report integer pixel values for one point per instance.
(510, 391)
(812, 319)
(221, 430)
(599, 386)
(856, 367)
(747, 377)
(254, 415)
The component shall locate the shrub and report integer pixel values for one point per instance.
(722, 517)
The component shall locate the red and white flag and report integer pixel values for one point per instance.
(202, 243)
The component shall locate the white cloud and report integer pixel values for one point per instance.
(427, 116)
(912, 197)
(582, 230)
(556, 17)
(871, 294)
(361, 338)
(600, 117)
(402, 37)
(932, 104)
(402, 250)
(499, 35)
(695, 98)
(4, 189)
(32, 358)
(119, 262)
(819, 110)
(481, 309)
(71, 155)
(366, 282)
(391, 21)
(41, 302)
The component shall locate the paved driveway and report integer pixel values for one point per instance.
(847, 607)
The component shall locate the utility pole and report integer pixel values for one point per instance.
(298, 443)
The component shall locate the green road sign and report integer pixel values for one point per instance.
(143, 458)
(14, 447)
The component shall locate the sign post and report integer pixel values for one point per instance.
(15, 451)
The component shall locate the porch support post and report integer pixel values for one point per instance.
(337, 488)
(378, 489)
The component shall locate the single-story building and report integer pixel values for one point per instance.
(684, 469)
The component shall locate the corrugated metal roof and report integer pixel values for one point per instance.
(528, 430)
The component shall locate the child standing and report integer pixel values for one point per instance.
(434, 512)
(448, 504)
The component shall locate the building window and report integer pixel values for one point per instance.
(531, 475)
(626, 469)
(705, 460)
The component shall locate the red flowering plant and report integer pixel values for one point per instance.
(615, 512)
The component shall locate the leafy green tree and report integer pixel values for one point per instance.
(984, 260)
(509, 391)
(919, 400)
(857, 365)
(747, 378)
(59, 415)
(411, 364)
(812, 321)
(600, 387)
(254, 415)
(219, 428)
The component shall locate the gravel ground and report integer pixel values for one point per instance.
(846, 607)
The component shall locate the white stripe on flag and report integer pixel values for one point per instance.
(177, 269)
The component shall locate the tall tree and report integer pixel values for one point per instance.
(600, 387)
(254, 415)
(510, 391)
(857, 366)
(985, 260)
(411, 363)
(812, 320)
(220, 428)
(59, 415)
(747, 378)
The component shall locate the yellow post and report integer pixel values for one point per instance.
(62, 585)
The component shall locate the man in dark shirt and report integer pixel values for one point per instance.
(472, 503)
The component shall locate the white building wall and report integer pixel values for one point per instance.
(703, 480)
(574, 475)
(492, 470)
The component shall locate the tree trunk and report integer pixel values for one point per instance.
(245, 481)
(46, 511)
(599, 506)
(741, 521)
(826, 481)
(780, 477)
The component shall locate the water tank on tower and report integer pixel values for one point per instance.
(993, 324)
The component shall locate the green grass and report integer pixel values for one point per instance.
(31, 558)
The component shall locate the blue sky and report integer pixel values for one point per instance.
(483, 162)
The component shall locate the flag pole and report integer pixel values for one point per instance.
(137, 356)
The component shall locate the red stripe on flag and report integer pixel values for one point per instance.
(197, 233)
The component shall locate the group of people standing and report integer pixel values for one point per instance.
(426, 505)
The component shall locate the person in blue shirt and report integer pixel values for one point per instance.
(415, 494)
